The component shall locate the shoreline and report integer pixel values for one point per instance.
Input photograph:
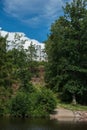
(62, 114)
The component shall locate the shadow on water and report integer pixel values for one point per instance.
(40, 124)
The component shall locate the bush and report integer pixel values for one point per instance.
(36, 104)
(5, 95)
(20, 105)
(43, 102)
(47, 99)
(1, 109)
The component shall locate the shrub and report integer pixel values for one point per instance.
(5, 95)
(1, 109)
(47, 99)
(36, 104)
(43, 102)
(20, 105)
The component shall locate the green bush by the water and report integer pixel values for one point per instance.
(20, 105)
(36, 104)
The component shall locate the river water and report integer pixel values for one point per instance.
(40, 124)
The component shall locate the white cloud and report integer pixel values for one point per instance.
(33, 12)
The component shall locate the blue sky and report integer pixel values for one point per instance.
(33, 17)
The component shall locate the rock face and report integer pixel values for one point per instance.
(62, 114)
(40, 79)
(81, 115)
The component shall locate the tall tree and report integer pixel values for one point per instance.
(32, 58)
(4, 64)
(67, 51)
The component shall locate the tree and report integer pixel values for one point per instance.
(31, 59)
(31, 52)
(2, 59)
(5, 75)
(66, 48)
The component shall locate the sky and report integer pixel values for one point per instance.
(32, 17)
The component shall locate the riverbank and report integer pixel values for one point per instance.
(62, 114)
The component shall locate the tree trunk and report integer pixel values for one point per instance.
(74, 99)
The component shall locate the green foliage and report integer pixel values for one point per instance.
(72, 87)
(47, 99)
(44, 102)
(15, 66)
(31, 52)
(5, 78)
(5, 95)
(36, 104)
(66, 48)
(43, 63)
(1, 108)
(20, 105)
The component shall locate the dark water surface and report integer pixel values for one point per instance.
(39, 124)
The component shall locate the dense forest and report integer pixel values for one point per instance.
(65, 70)
(66, 47)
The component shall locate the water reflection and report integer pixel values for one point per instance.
(40, 124)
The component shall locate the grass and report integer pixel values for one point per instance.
(77, 107)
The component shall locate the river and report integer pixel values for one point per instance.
(40, 124)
